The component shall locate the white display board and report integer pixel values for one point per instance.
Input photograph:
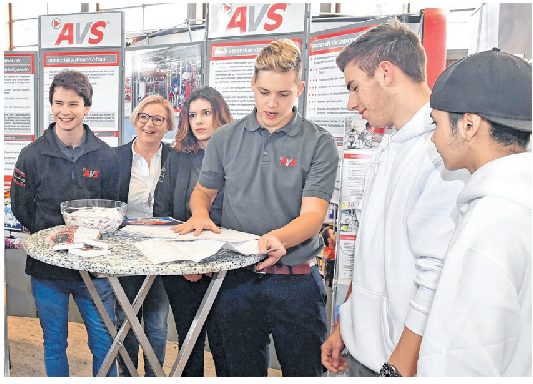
(19, 107)
(103, 70)
(231, 67)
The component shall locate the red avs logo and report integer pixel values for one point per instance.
(244, 17)
(75, 33)
(89, 173)
(287, 162)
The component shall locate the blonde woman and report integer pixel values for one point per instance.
(140, 163)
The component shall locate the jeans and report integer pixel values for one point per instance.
(292, 308)
(52, 301)
(185, 298)
(154, 310)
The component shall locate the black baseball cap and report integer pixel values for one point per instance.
(492, 84)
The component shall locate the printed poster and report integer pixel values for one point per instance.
(103, 70)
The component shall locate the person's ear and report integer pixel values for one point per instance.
(301, 87)
(471, 124)
(386, 72)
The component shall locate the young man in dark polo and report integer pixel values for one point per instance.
(278, 173)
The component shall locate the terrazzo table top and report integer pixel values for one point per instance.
(126, 259)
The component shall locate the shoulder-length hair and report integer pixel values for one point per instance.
(185, 140)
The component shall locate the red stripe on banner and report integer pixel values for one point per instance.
(98, 133)
(341, 33)
(233, 58)
(244, 43)
(348, 237)
(329, 50)
(108, 64)
(357, 156)
(17, 137)
(31, 56)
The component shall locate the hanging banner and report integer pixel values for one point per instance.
(326, 91)
(99, 29)
(327, 98)
(19, 107)
(243, 19)
(231, 67)
(103, 70)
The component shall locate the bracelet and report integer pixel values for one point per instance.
(389, 370)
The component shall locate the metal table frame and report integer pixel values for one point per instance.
(131, 321)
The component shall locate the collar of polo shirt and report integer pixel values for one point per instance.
(292, 128)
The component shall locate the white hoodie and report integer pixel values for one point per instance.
(480, 321)
(409, 215)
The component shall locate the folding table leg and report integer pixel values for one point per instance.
(198, 323)
(131, 319)
(106, 365)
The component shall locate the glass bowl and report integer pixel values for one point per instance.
(105, 215)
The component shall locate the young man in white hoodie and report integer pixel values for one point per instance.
(408, 209)
(480, 321)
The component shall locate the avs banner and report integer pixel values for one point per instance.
(81, 30)
(242, 19)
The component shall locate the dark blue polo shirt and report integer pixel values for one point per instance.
(266, 175)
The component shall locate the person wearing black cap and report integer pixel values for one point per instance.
(480, 320)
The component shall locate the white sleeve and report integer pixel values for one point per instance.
(430, 226)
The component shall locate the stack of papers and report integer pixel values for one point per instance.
(162, 251)
(196, 248)
(151, 231)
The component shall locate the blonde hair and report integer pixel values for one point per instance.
(154, 99)
(281, 56)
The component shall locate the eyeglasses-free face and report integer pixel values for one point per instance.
(156, 120)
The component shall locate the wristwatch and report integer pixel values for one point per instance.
(388, 370)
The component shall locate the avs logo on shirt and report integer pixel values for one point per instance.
(89, 173)
(287, 162)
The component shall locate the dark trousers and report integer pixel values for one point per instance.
(185, 298)
(290, 307)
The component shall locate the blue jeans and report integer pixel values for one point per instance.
(155, 311)
(52, 301)
(185, 297)
(292, 308)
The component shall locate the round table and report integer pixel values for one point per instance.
(125, 260)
